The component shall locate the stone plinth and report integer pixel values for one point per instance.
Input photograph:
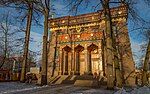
(87, 83)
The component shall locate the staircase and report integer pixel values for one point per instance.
(77, 80)
(86, 80)
(53, 79)
(61, 79)
(69, 80)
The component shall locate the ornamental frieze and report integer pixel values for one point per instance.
(86, 19)
(79, 37)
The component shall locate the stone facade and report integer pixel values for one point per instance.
(75, 44)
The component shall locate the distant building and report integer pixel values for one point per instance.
(35, 70)
(9, 67)
(4, 74)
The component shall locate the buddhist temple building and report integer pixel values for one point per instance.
(76, 45)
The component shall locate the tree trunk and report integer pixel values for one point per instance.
(55, 54)
(5, 51)
(103, 47)
(44, 54)
(145, 66)
(109, 45)
(117, 71)
(27, 38)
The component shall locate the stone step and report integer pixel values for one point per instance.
(73, 77)
(69, 80)
(51, 79)
(84, 77)
(86, 83)
(89, 80)
(102, 80)
(54, 79)
(61, 79)
(78, 80)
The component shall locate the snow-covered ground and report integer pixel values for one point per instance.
(24, 88)
(12, 87)
(137, 90)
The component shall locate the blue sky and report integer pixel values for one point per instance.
(61, 10)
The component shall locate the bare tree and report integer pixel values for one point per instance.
(44, 6)
(10, 42)
(28, 27)
(55, 54)
(27, 5)
(146, 65)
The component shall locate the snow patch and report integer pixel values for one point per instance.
(26, 89)
(141, 90)
(121, 91)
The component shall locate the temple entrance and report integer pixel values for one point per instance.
(85, 53)
(93, 59)
(65, 56)
(78, 50)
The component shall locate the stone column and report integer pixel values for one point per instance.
(89, 65)
(73, 62)
(101, 63)
(62, 63)
(86, 60)
(75, 57)
(66, 63)
(77, 63)
(69, 63)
